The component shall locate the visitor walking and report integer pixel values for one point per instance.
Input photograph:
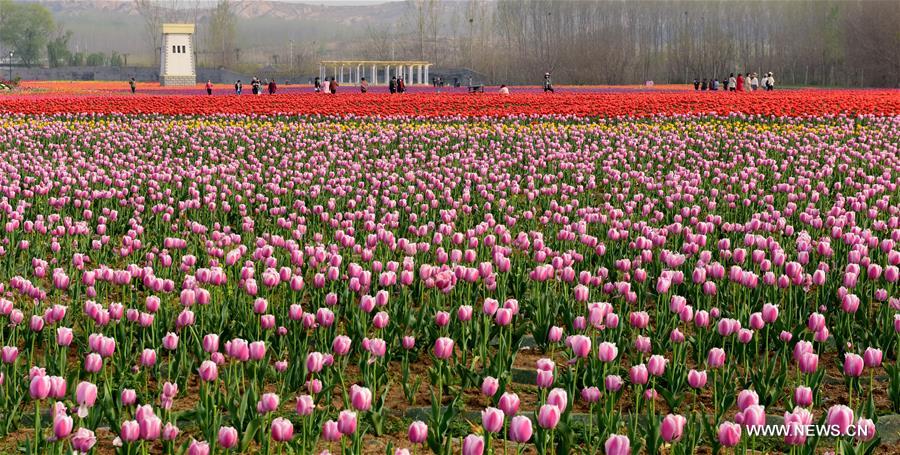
(272, 87)
(504, 90)
(255, 85)
(754, 83)
(740, 83)
(363, 85)
(401, 86)
(318, 84)
(131, 83)
(732, 82)
(332, 86)
(238, 87)
(770, 82)
(696, 84)
(209, 87)
(392, 85)
(714, 85)
(703, 85)
(548, 84)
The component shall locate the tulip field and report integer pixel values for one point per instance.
(607, 273)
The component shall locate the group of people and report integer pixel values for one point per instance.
(740, 83)
(331, 85)
(256, 85)
(397, 85)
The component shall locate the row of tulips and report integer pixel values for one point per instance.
(523, 102)
(236, 284)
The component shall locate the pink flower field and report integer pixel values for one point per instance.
(586, 282)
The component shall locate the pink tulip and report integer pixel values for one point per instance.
(267, 403)
(473, 445)
(489, 386)
(150, 427)
(872, 357)
(40, 387)
(330, 431)
(128, 397)
(492, 420)
(672, 427)
(638, 374)
(747, 398)
(617, 444)
(559, 398)
(607, 352)
(613, 383)
(418, 432)
(853, 365)
(64, 336)
(865, 429)
(520, 429)
(282, 429)
(729, 434)
(809, 363)
(803, 396)
(228, 437)
(360, 398)
(83, 440)
(211, 343)
(257, 350)
(130, 431)
(580, 344)
(305, 405)
(656, 365)
(509, 403)
(198, 448)
(841, 417)
(591, 395)
(170, 341)
(208, 371)
(544, 379)
(555, 334)
(315, 361)
(548, 416)
(347, 422)
(443, 348)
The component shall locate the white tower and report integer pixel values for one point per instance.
(177, 57)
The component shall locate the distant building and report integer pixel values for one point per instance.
(177, 66)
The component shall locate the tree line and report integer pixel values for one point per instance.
(30, 32)
(804, 42)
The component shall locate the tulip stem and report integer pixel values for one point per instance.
(37, 426)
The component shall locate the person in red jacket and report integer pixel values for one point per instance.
(740, 83)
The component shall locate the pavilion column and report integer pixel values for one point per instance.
(335, 72)
(421, 81)
(427, 68)
(374, 74)
(358, 77)
(412, 75)
(400, 72)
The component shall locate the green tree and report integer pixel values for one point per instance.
(26, 29)
(222, 32)
(116, 59)
(58, 50)
(77, 59)
(96, 59)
